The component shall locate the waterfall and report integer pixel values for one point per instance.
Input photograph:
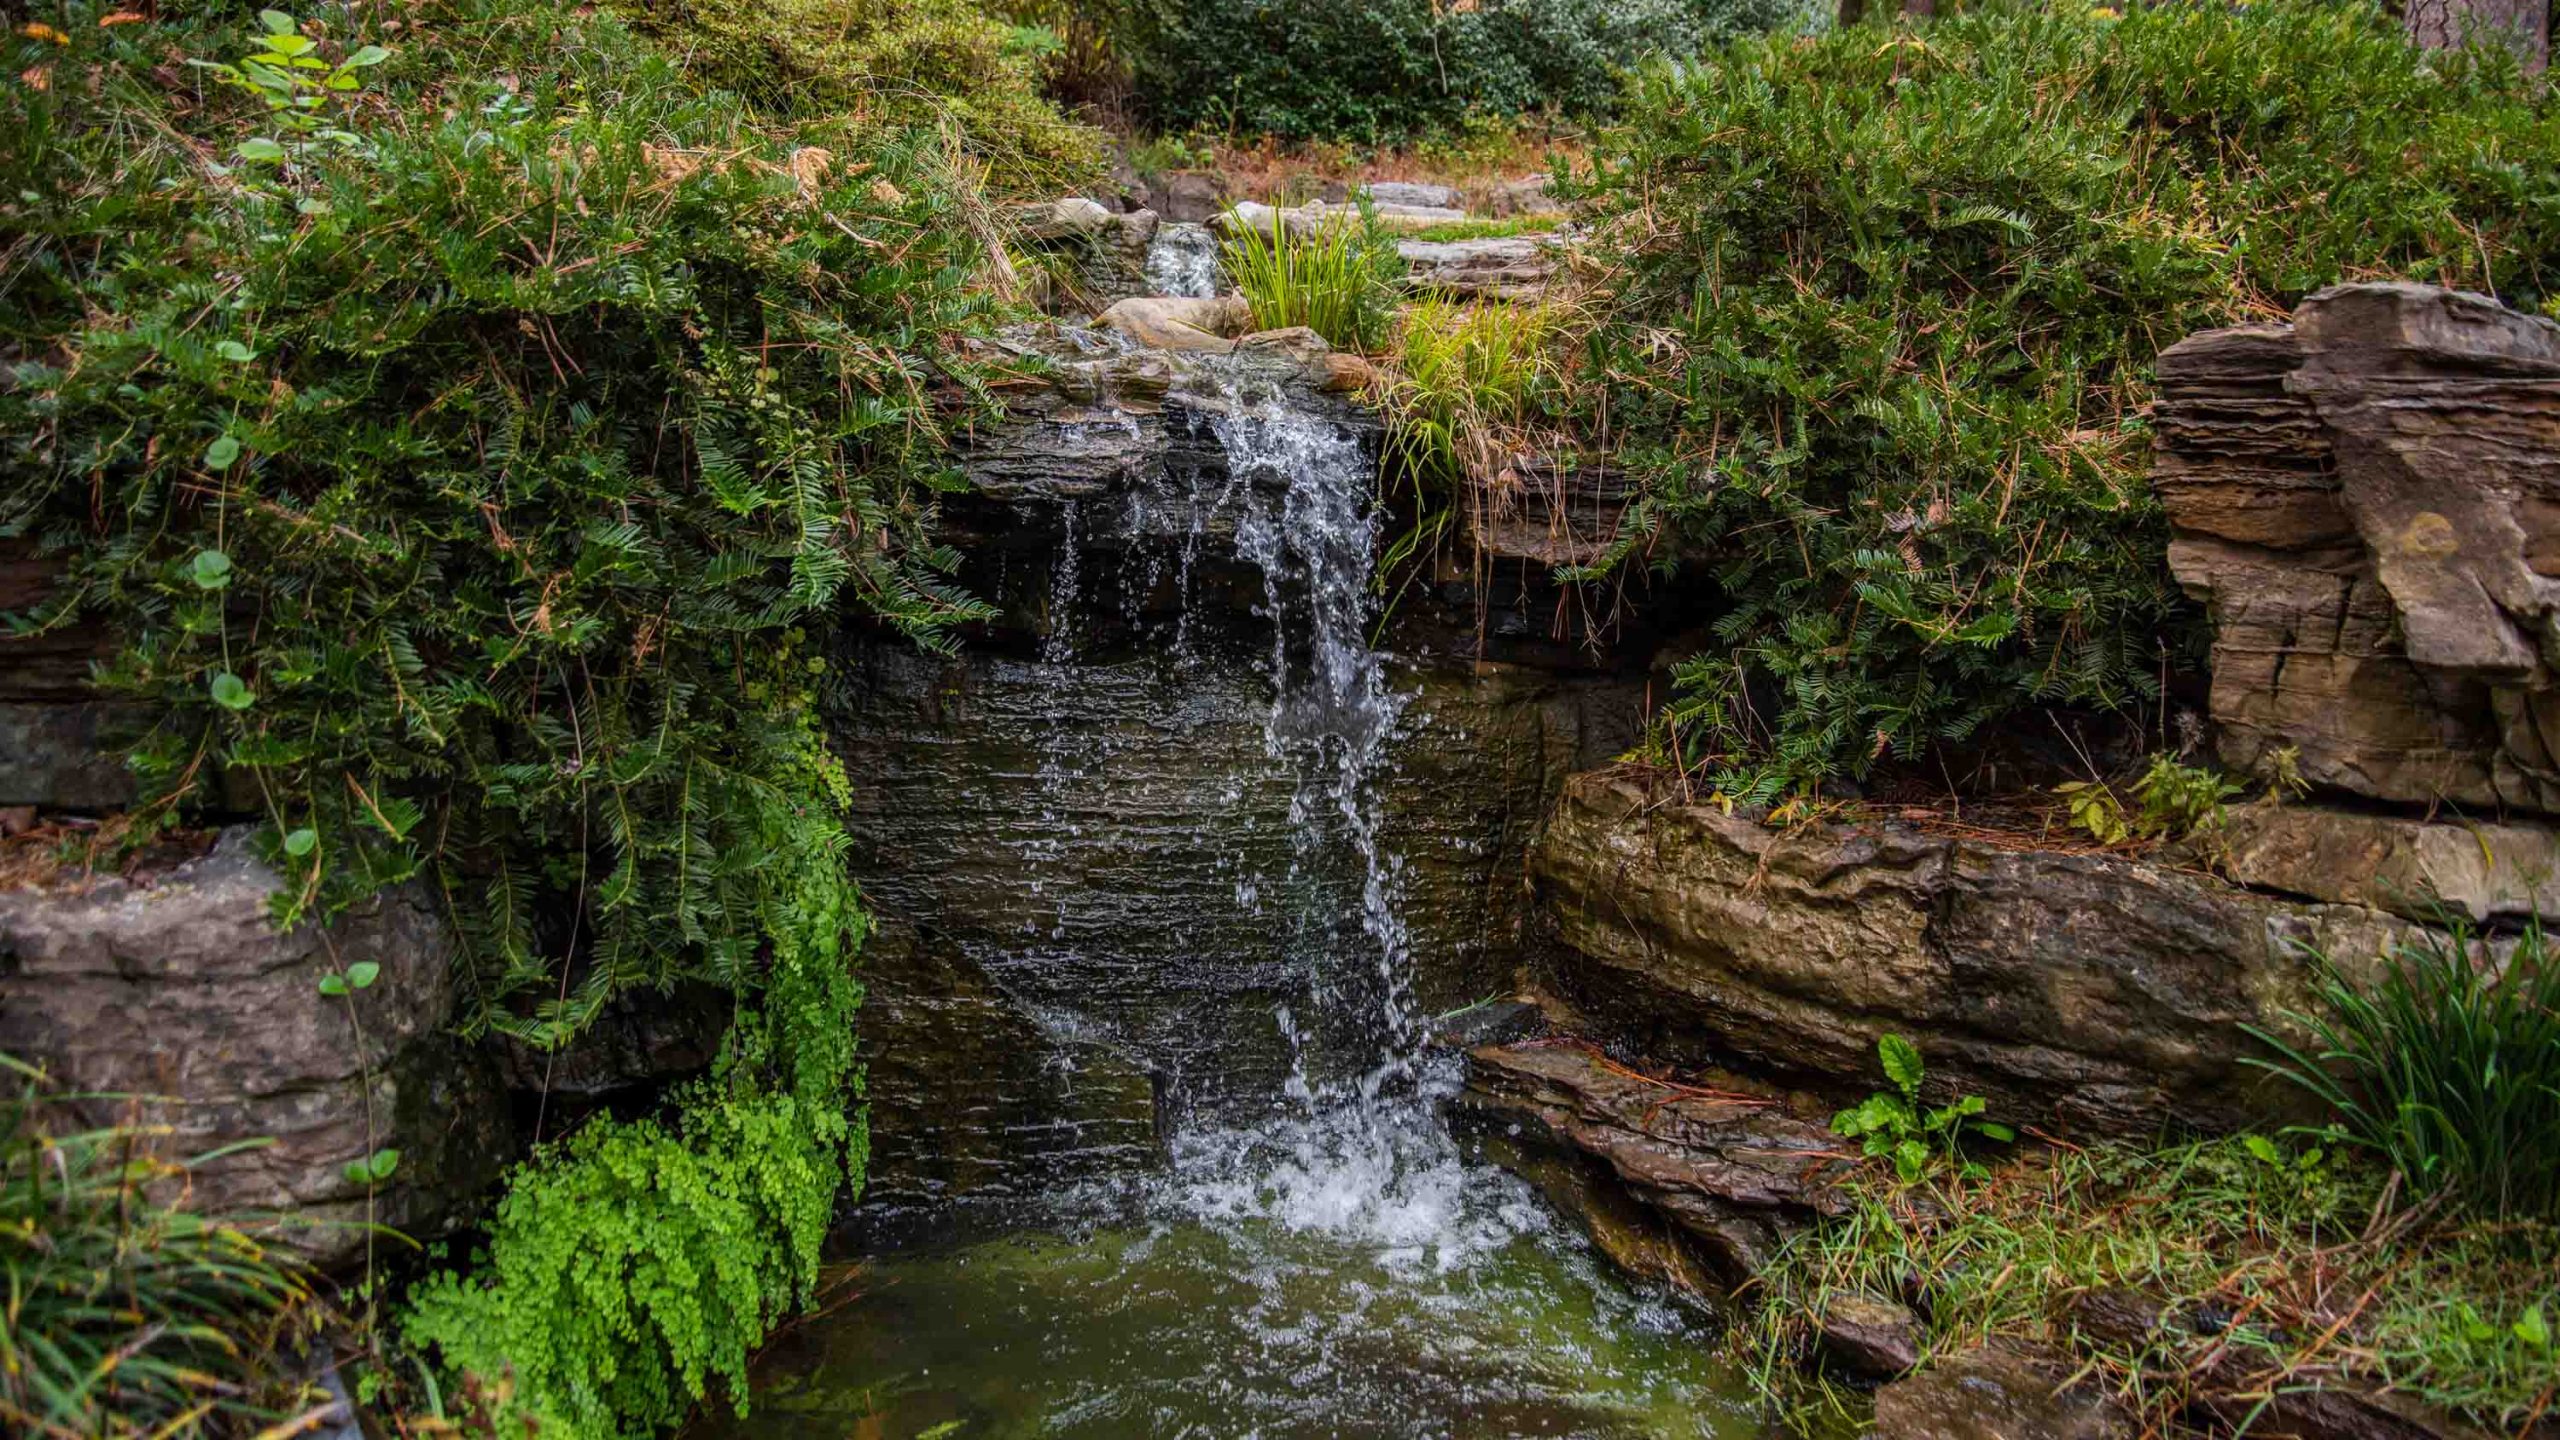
(1355, 1149)
(1183, 261)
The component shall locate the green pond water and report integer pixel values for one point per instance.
(1343, 1289)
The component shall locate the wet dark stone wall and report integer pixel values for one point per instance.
(1101, 896)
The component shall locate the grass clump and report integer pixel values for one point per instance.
(1338, 278)
(1470, 384)
(1875, 313)
(1449, 230)
(128, 1312)
(2444, 1063)
(2274, 1270)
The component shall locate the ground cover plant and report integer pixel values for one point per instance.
(1875, 311)
(456, 434)
(129, 1312)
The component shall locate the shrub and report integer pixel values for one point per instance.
(1878, 309)
(2446, 1064)
(1336, 278)
(1382, 71)
(893, 62)
(127, 1310)
(457, 465)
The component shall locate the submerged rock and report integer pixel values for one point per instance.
(2093, 991)
(173, 988)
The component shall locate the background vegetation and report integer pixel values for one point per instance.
(1876, 312)
(1384, 71)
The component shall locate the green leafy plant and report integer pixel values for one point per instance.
(1382, 71)
(1874, 313)
(2171, 800)
(1893, 1123)
(287, 74)
(1337, 278)
(128, 1313)
(2444, 1061)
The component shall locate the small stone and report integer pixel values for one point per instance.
(1870, 1336)
(1525, 196)
(2005, 1390)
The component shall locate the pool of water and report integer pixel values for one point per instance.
(1303, 1280)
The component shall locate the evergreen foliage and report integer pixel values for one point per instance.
(1384, 71)
(1878, 309)
(457, 453)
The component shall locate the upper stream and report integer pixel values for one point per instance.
(1302, 1248)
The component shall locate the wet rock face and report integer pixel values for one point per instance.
(2087, 991)
(2368, 500)
(1110, 884)
(175, 984)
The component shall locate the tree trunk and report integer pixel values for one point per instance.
(2523, 26)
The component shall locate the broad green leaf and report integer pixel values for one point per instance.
(363, 973)
(260, 149)
(220, 454)
(298, 843)
(276, 22)
(2532, 1329)
(333, 983)
(231, 692)
(211, 570)
(235, 352)
(1901, 1062)
(369, 55)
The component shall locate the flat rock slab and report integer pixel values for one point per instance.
(2002, 1391)
(2421, 869)
(1738, 1174)
(1514, 267)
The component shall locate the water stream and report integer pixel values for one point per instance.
(1316, 1260)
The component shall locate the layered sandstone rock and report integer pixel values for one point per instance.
(2090, 991)
(174, 988)
(2368, 500)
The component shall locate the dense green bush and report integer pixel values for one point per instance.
(895, 62)
(1381, 71)
(1880, 307)
(456, 456)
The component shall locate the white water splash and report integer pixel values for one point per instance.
(1183, 261)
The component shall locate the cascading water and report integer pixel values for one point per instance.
(1183, 261)
(1317, 1257)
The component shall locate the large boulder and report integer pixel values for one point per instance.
(2368, 501)
(172, 986)
(2093, 991)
